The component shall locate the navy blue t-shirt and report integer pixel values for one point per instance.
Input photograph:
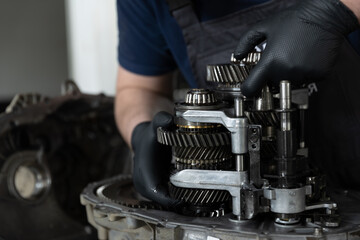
(151, 42)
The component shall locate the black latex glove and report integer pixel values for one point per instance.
(152, 160)
(303, 43)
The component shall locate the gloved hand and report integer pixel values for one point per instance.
(302, 43)
(152, 160)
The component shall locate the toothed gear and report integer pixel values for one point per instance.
(252, 58)
(232, 74)
(113, 192)
(200, 97)
(224, 165)
(121, 191)
(227, 73)
(263, 118)
(184, 139)
(203, 152)
(199, 196)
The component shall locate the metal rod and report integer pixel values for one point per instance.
(239, 112)
(239, 107)
(285, 95)
(285, 103)
(239, 162)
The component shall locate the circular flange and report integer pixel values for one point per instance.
(28, 178)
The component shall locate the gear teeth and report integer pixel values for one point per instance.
(202, 152)
(184, 139)
(110, 193)
(199, 97)
(232, 74)
(227, 73)
(263, 118)
(199, 196)
(252, 58)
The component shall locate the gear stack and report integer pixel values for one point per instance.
(260, 110)
(199, 146)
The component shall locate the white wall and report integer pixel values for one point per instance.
(92, 41)
(33, 52)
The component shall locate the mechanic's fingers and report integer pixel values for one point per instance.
(248, 42)
(257, 79)
(162, 119)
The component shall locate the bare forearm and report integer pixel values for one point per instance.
(353, 5)
(136, 102)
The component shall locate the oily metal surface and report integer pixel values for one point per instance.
(262, 227)
(121, 191)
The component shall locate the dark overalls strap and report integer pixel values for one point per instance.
(183, 12)
(177, 4)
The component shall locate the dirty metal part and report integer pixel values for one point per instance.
(49, 150)
(115, 221)
(21, 101)
(28, 179)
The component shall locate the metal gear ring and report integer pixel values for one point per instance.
(182, 139)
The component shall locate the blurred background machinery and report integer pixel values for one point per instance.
(50, 149)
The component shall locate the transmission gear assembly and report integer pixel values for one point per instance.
(240, 167)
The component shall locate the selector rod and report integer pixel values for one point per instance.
(239, 112)
(285, 104)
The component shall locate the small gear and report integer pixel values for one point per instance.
(252, 58)
(200, 97)
(184, 139)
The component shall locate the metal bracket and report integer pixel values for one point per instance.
(230, 181)
(254, 140)
(287, 201)
(238, 127)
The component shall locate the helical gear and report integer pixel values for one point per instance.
(184, 139)
(252, 58)
(233, 73)
(199, 196)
